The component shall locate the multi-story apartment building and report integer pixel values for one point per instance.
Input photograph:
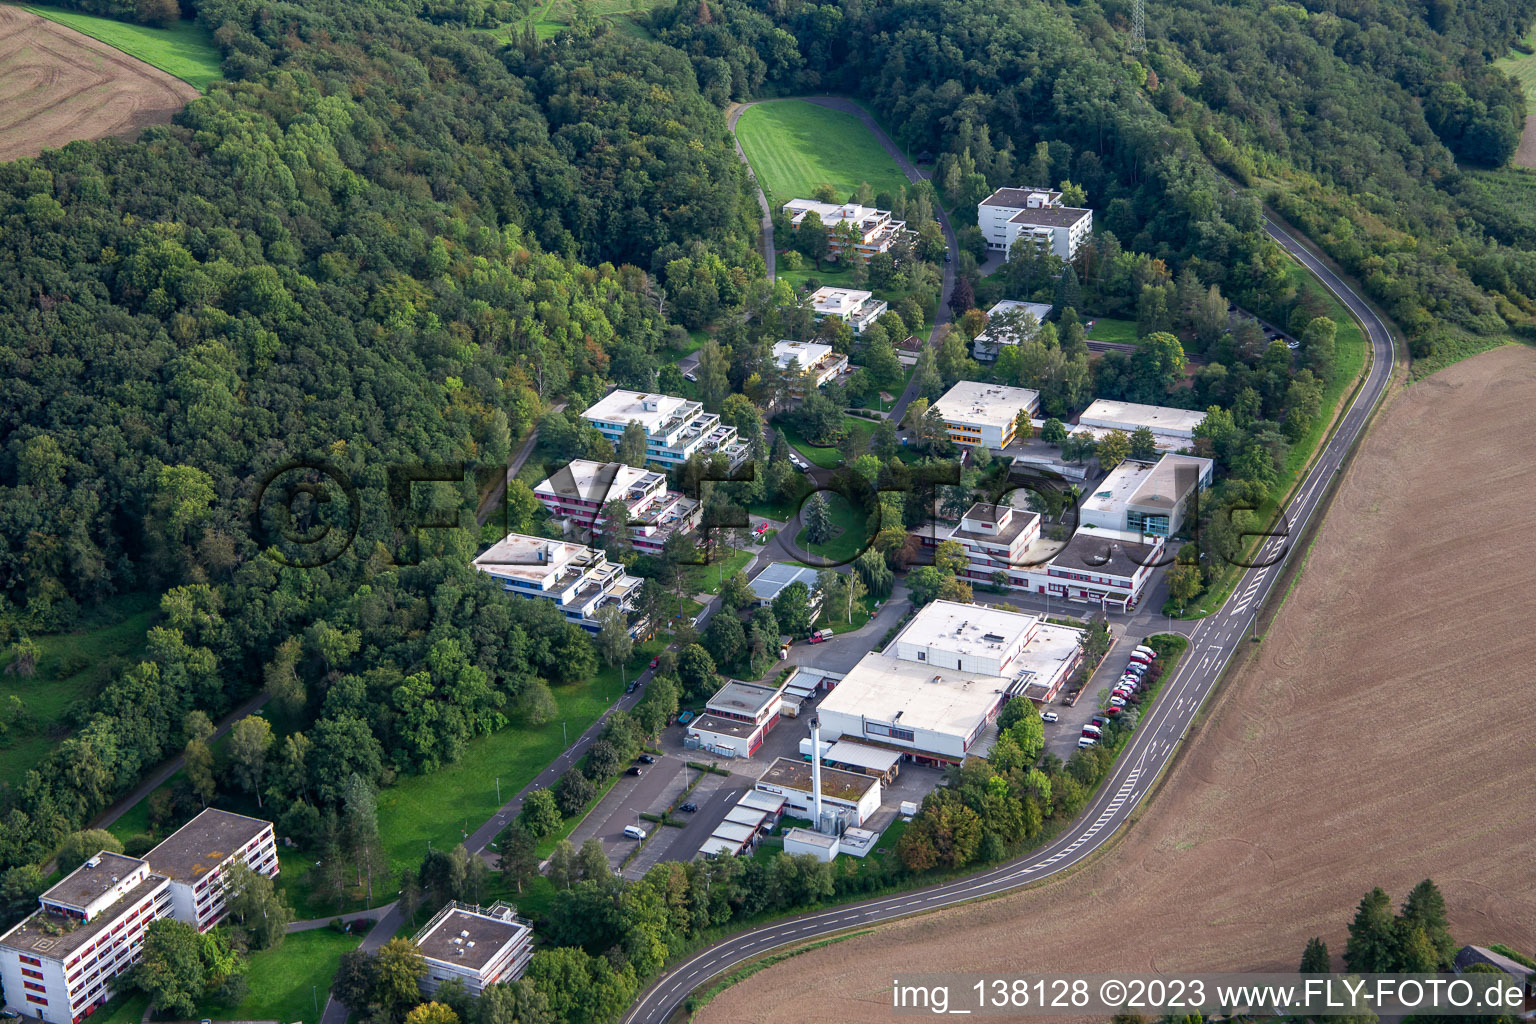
(996, 538)
(62, 963)
(578, 494)
(1035, 215)
(195, 857)
(860, 308)
(813, 364)
(480, 946)
(985, 415)
(579, 580)
(871, 230)
(1009, 322)
(675, 428)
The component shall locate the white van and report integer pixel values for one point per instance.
(1086, 742)
(634, 832)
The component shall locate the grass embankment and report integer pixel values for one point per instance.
(1522, 68)
(70, 667)
(794, 146)
(1350, 351)
(185, 50)
(826, 458)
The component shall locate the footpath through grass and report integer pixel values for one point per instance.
(794, 146)
(185, 50)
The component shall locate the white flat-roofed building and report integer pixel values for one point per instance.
(675, 428)
(1149, 498)
(1173, 429)
(855, 796)
(736, 719)
(1009, 322)
(996, 538)
(881, 762)
(577, 495)
(1035, 215)
(480, 946)
(799, 842)
(985, 414)
(195, 857)
(936, 688)
(65, 960)
(1110, 567)
(860, 308)
(579, 580)
(774, 577)
(813, 364)
(871, 230)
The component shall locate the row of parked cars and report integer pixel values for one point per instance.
(1128, 686)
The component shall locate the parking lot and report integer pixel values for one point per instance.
(1061, 736)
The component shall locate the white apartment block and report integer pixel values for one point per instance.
(1036, 215)
(195, 856)
(814, 364)
(985, 414)
(1172, 429)
(1009, 322)
(860, 308)
(934, 690)
(873, 230)
(675, 428)
(1149, 498)
(480, 946)
(579, 580)
(577, 494)
(996, 538)
(61, 963)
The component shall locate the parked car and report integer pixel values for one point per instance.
(634, 832)
(690, 375)
(821, 636)
(1048, 716)
(1085, 742)
(688, 808)
(1096, 720)
(1140, 659)
(646, 759)
(1111, 711)
(1117, 702)
(760, 529)
(634, 684)
(636, 770)
(1144, 649)
(655, 662)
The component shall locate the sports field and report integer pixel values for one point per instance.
(185, 49)
(794, 146)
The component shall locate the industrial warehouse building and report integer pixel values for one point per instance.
(852, 796)
(1149, 498)
(1172, 429)
(934, 690)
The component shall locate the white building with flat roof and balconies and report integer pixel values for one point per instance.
(577, 494)
(812, 364)
(675, 428)
(67, 958)
(1172, 429)
(577, 579)
(860, 308)
(996, 538)
(985, 415)
(1037, 216)
(195, 857)
(865, 229)
(1009, 322)
(934, 690)
(479, 946)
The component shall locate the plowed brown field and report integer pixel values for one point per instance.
(1382, 735)
(57, 86)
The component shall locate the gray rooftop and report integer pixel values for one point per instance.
(1093, 552)
(488, 936)
(203, 843)
(1056, 216)
(53, 936)
(778, 575)
(1017, 196)
(86, 884)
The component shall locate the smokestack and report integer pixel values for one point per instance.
(816, 767)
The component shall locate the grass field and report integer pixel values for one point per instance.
(1522, 68)
(849, 530)
(185, 50)
(707, 579)
(1109, 329)
(285, 983)
(794, 146)
(1350, 349)
(70, 667)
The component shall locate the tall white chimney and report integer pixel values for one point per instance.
(816, 769)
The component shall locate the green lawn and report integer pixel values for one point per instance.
(446, 805)
(849, 529)
(126, 1007)
(185, 50)
(707, 579)
(1109, 329)
(1350, 350)
(794, 146)
(550, 17)
(826, 458)
(286, 983)
(836, 619)
(1522, 68)
(70, 667)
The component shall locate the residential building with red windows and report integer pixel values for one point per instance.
(578, 494)
(195, 857)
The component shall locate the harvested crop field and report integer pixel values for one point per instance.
(57, 85)
(1378, 738)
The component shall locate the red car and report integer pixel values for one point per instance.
(655, 662)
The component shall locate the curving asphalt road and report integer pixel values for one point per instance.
(1213, 641)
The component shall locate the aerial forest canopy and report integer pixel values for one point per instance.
(1365, 123)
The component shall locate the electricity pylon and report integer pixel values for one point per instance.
(1139, 26)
